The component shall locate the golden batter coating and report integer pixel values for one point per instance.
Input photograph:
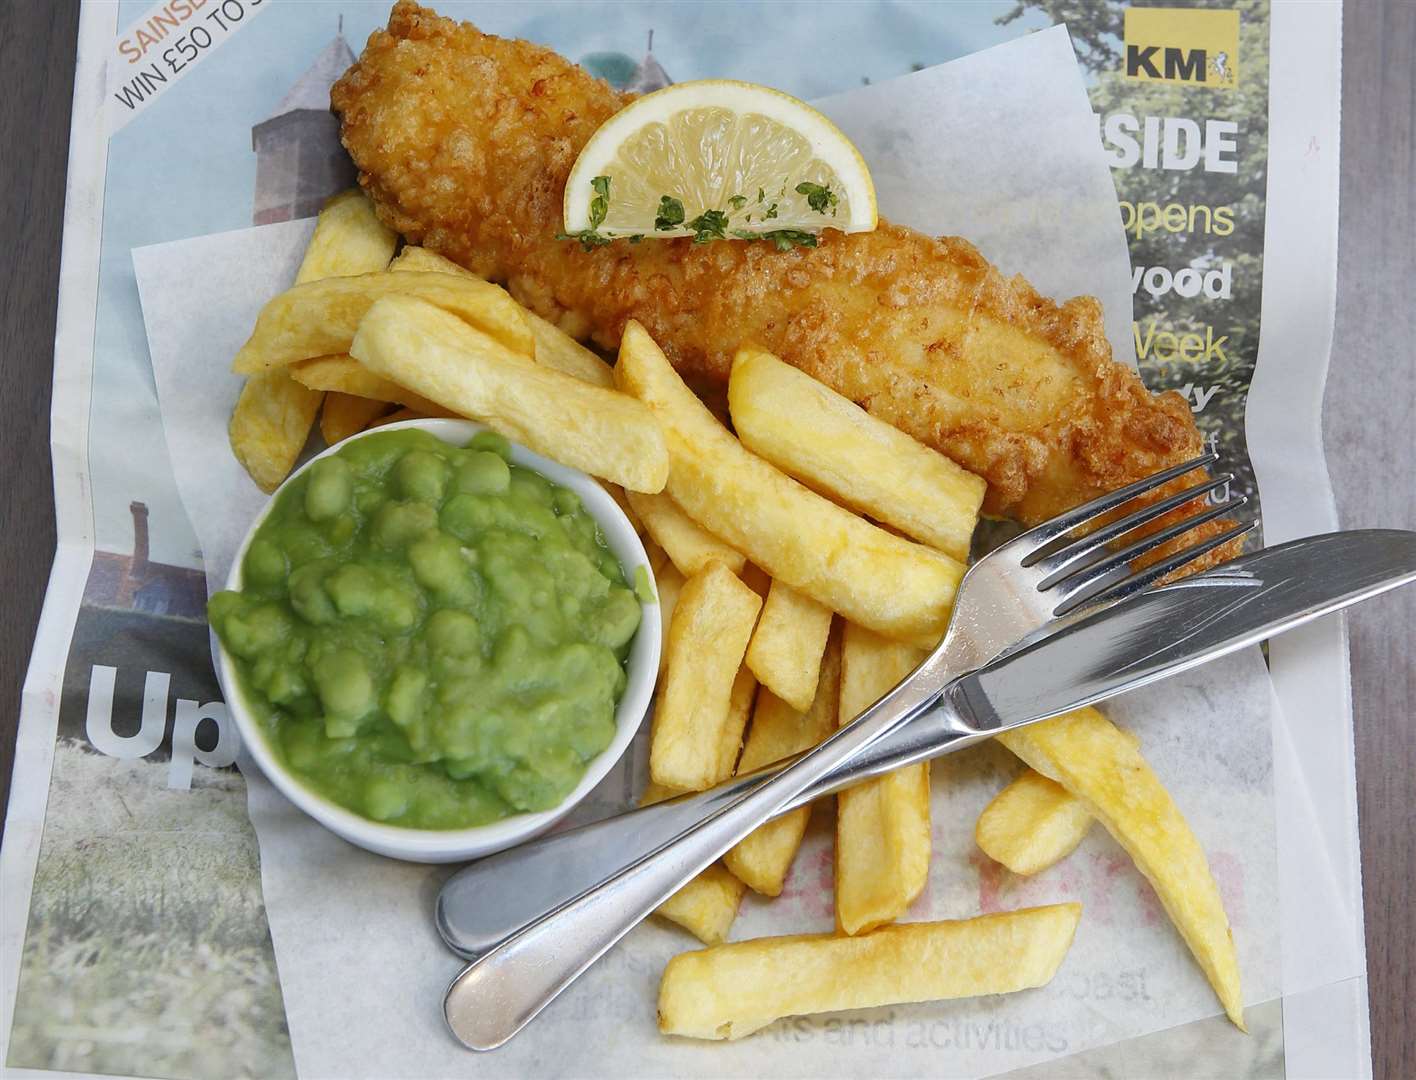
(464, 141)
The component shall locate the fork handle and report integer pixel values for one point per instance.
(500, 992)
(485, 903)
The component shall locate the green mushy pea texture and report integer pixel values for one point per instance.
(430, 636)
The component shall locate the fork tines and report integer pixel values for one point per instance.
(1090, 569)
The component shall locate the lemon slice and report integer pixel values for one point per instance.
(718, 159)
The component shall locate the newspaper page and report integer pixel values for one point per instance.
(135, 933)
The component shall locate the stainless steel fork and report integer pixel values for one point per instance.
(537, 916)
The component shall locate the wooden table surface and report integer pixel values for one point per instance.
(1370, 422)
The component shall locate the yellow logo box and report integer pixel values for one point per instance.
(1193, 46)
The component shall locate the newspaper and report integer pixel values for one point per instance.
(135, 932)
(1060, 222)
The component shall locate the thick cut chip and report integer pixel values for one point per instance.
(272, 419)
(270, 424)
(694, 714)
(730, 991)
(689, 544)
(342, 374)
(740, 702)
(557, 349)
(833, 445)
(319, 318)
(436, 354)
(871, 576)
(707, 905)
(1032, 824)
(554, 347)
(349, 239)
(882, 825)
(779, 731)
(882, 848)
(785, 652)
(343, 415)
(763, 858)
(1103, 767)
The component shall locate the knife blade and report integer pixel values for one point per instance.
(1168, 630)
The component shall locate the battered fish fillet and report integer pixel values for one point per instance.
(464, 141)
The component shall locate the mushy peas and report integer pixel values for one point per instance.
(430, 636)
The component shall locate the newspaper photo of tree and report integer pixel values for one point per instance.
(147, 950)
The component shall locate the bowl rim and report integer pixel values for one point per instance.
(641, 670)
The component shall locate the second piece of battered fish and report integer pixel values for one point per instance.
(465, 141)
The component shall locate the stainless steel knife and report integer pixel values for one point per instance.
(1149, 636)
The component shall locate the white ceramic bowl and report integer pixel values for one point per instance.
(425, 845)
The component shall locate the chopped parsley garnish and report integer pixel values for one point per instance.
(600, 204)
(670, 214)
(819, 197)
(786, 239)
(590, 238)
(782, 239)
(710, 225)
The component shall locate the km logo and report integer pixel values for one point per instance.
(1195, 46)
